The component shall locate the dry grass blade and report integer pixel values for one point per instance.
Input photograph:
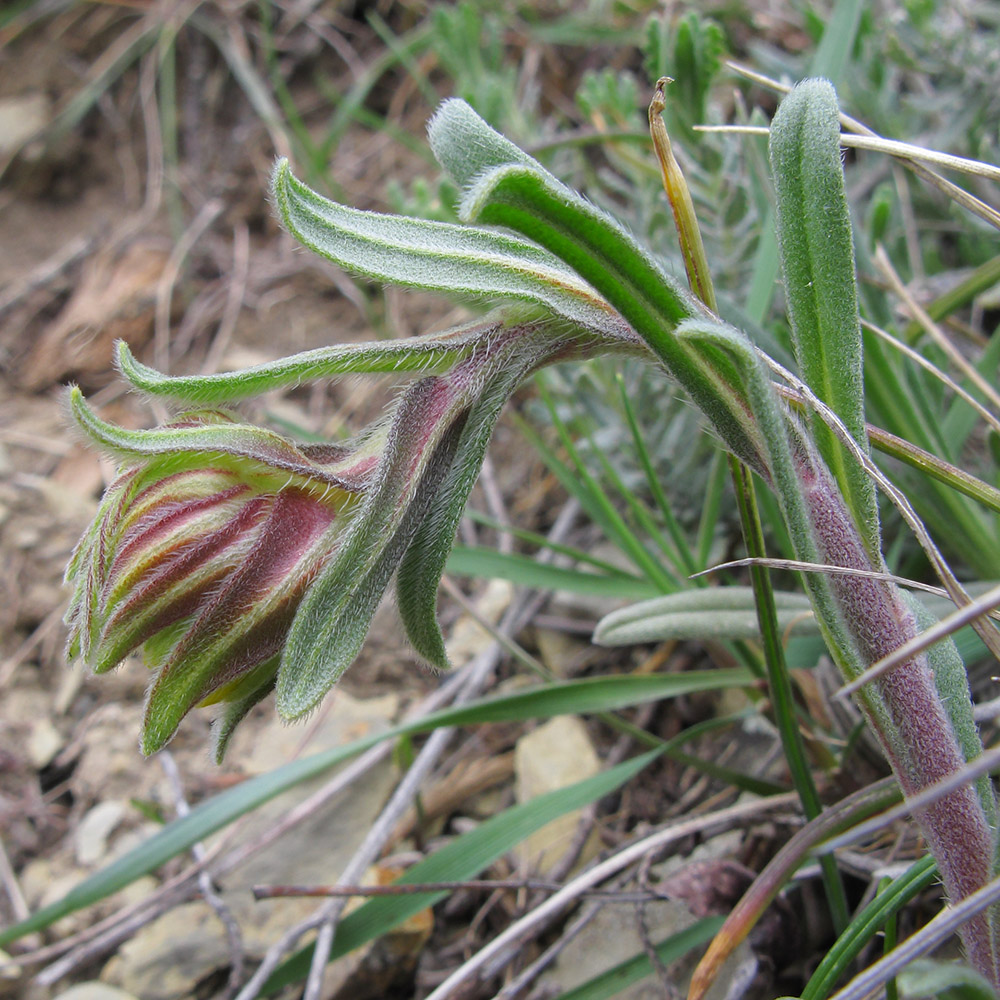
(165, 287)
(953, 191)
(884, 265)
(984, 764)
(808, 567)
(571, 893)
(917, 358)
(875, 143)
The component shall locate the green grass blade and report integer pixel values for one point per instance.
(573, 697)
(614, 981)
(833, 56)
(837, 961)
(709, 520)
(684, 558)
(545, 543)
(620, 533)
(487, 563)
(780, 685)
(463, 858)
(568, 479)
(643, 518)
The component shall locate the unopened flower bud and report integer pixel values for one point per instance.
(200, 558)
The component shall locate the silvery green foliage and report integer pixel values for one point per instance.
(830, 516)
(287, 604)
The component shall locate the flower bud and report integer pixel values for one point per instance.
(200, 558)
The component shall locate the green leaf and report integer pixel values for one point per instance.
(527, 572)
(421, 567)
(792, 461)
(928, 977)
(703, 614)
(463, 858)
(505, 187)
(428, 355)
(817, 260)
(459, 260)
(332, 620)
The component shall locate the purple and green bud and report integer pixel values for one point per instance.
(200, 554)
(240, 562)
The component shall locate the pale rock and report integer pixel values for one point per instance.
(108, 766)
(167, 958)
(44, 742)
(341, 719)
(10, 975)
(45, 881)
(94, 830)
(70, 682)
(556, 754)
(468, 637)
(558, 650)
(613, 936)
(22, 118)
(94, 990)
(317, 849)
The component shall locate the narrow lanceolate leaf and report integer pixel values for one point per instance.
(439, 256)
(817, 260)
(427, 355)
(421, 568)
(507, 188)
(214, 437)
(704, 613)
(325, 631)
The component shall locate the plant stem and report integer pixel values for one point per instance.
(779, 684)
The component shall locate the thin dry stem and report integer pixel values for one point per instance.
(932, 329)
(568, 896)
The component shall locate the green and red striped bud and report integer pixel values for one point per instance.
(200, 554)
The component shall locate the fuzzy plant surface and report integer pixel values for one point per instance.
(241, 562)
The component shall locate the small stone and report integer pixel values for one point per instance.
(22, 118)
(556, 754)
(468, 637)
(94, 990)
(44, 742)
(315, 850)
(558, 651)
(169, 957)
(91, 839)
(10, 975)
(614, 936)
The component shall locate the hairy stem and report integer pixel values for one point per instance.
(915, 729)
